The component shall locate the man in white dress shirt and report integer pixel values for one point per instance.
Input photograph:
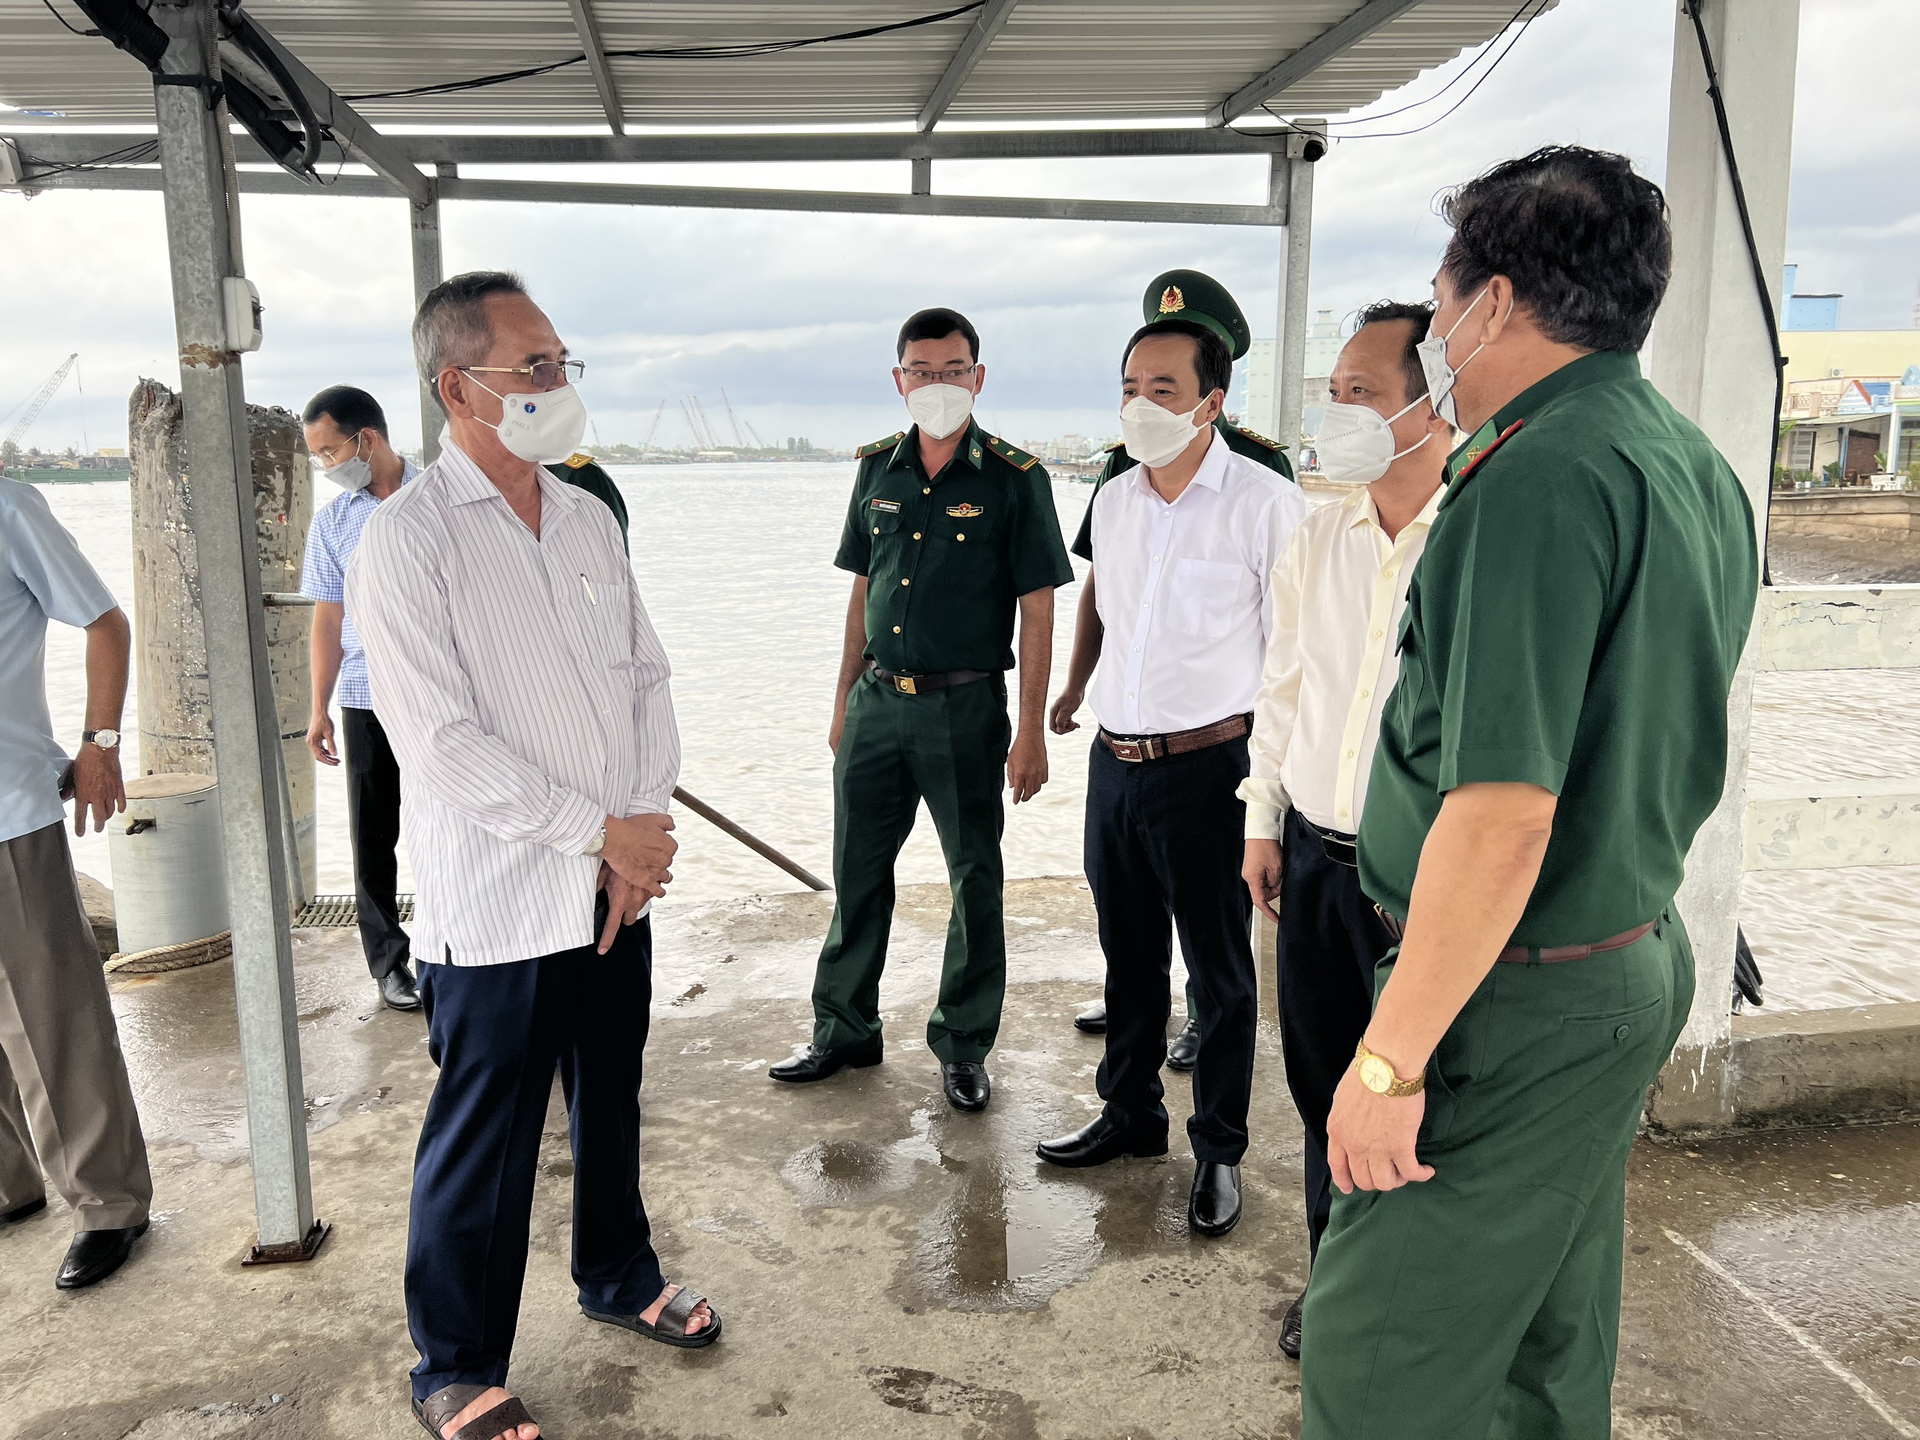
(525, 693)
(1184, 546)
(1337, 599)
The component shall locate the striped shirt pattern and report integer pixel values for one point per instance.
(526, 696)
(331, 540)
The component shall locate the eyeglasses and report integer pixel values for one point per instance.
(546, 375)
(938, 377)
(325, 455)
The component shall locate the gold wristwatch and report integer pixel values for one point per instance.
(1376, 1073)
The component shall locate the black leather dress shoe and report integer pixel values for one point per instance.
(967, 1085)
(813, 1063)
(96, 1254)
(1097, 1143)
(1213, 1205)
(1092, 1020)
(23, 1212)
(1290, 1327)
(397, 989)
(1184, 1053)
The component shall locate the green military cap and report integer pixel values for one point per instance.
(1201, 299)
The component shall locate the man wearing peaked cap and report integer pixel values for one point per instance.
(1180, 297)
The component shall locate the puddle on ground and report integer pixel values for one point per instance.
(856, 1172)
(995, 1245)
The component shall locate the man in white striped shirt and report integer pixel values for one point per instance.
(525, 693)
(1338, 594)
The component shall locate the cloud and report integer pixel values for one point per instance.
(794, 315)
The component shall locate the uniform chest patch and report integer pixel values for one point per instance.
(965, 512)
(892, 507)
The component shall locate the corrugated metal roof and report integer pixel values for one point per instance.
(1055, 60)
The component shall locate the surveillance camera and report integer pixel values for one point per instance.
(1314, 149)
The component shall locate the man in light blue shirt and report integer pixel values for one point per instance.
(346, 433)
(65, 1103)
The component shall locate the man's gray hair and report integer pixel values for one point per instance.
(451, 328)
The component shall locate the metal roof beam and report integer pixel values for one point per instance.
(1328, 45)
(353, 130)
(277, 182)
(589, 29)
(986, 26)
(55, 147)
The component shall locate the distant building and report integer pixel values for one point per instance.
(1255, 381)
(1854, 427)
(1808, 312)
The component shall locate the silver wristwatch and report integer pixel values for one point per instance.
(596, 845)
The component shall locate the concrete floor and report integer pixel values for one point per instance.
(886, 1267)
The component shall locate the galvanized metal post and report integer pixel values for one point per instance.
(426, 275)
(199, 184)
(1290, 348)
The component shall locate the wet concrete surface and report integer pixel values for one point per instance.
(886, 1266)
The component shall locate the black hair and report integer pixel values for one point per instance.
(1419, 314)
(1212, 360)
(936, 324)
(451, 327)
(350, 408)
(1581, 236)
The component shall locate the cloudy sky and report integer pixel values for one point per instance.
(794, 314)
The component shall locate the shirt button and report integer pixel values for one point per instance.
(959, 537)
(1365, 693)
(896, 629)
(1343, 814)
(876, 530)
(916, 534)
(926, 490)
(1378, 633)
(1136, 649)
(1623, 1032)
(905, 581)
(1130, 695)
(1349, 754)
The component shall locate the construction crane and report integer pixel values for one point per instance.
(652, 430)
(39, 402)
(706, 425)
(758, 443)
(733, 420)
(701, 439)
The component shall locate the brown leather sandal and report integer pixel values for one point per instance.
(441, 1406)
(671, 1327)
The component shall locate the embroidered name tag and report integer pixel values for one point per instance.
(892, 507)
(965, 512)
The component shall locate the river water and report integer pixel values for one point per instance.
(734, 562)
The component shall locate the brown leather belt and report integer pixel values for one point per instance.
(1134, 749)
(921, 684)
(1541, 955)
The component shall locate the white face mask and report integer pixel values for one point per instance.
(939, 410)
(1440, 374)
(1355, 443)
(544, 427)
(1154, 434)
(352, 474)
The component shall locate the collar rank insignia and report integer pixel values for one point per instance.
(892, 507)
(1172, 301)
(965, 512)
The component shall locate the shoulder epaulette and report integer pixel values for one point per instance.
(876, 446)
(1115, 446)
(1259, 439)
(578, 460)
(1472, 460)
(1012, 454)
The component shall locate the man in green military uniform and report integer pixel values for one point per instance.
(583, 472)
(1557, 735)
(949, 532)
(1183, 297)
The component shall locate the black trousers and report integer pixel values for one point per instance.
(498, 1032)
(1330, 941)
(1163, 853)
(373, 819)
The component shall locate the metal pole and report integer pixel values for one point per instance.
(750, 840)
(246, 726)
(1290, 349)
(426, 275)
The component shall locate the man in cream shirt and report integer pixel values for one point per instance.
(1338, 593)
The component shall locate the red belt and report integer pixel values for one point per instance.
(1546, 955)
(1136, 748)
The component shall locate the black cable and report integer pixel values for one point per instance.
(1765, 291)
(254, 44)
(138, 153)
(746, 51)
(89, 34)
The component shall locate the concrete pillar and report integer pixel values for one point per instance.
(176, 713)
(1712, 360)
(427, 274)
(198, 184)
(1296, 250)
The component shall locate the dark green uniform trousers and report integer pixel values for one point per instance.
(1485, 1302)
(950, 748)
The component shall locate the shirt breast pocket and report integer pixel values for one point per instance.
(606, 617)
(1205, 597)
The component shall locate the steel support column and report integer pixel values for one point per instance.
(202, 251)
(1296, 249)
(427, 273)
(1712, 359)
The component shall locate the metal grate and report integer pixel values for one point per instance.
(333, 911)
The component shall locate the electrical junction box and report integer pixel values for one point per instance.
(241, 300)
